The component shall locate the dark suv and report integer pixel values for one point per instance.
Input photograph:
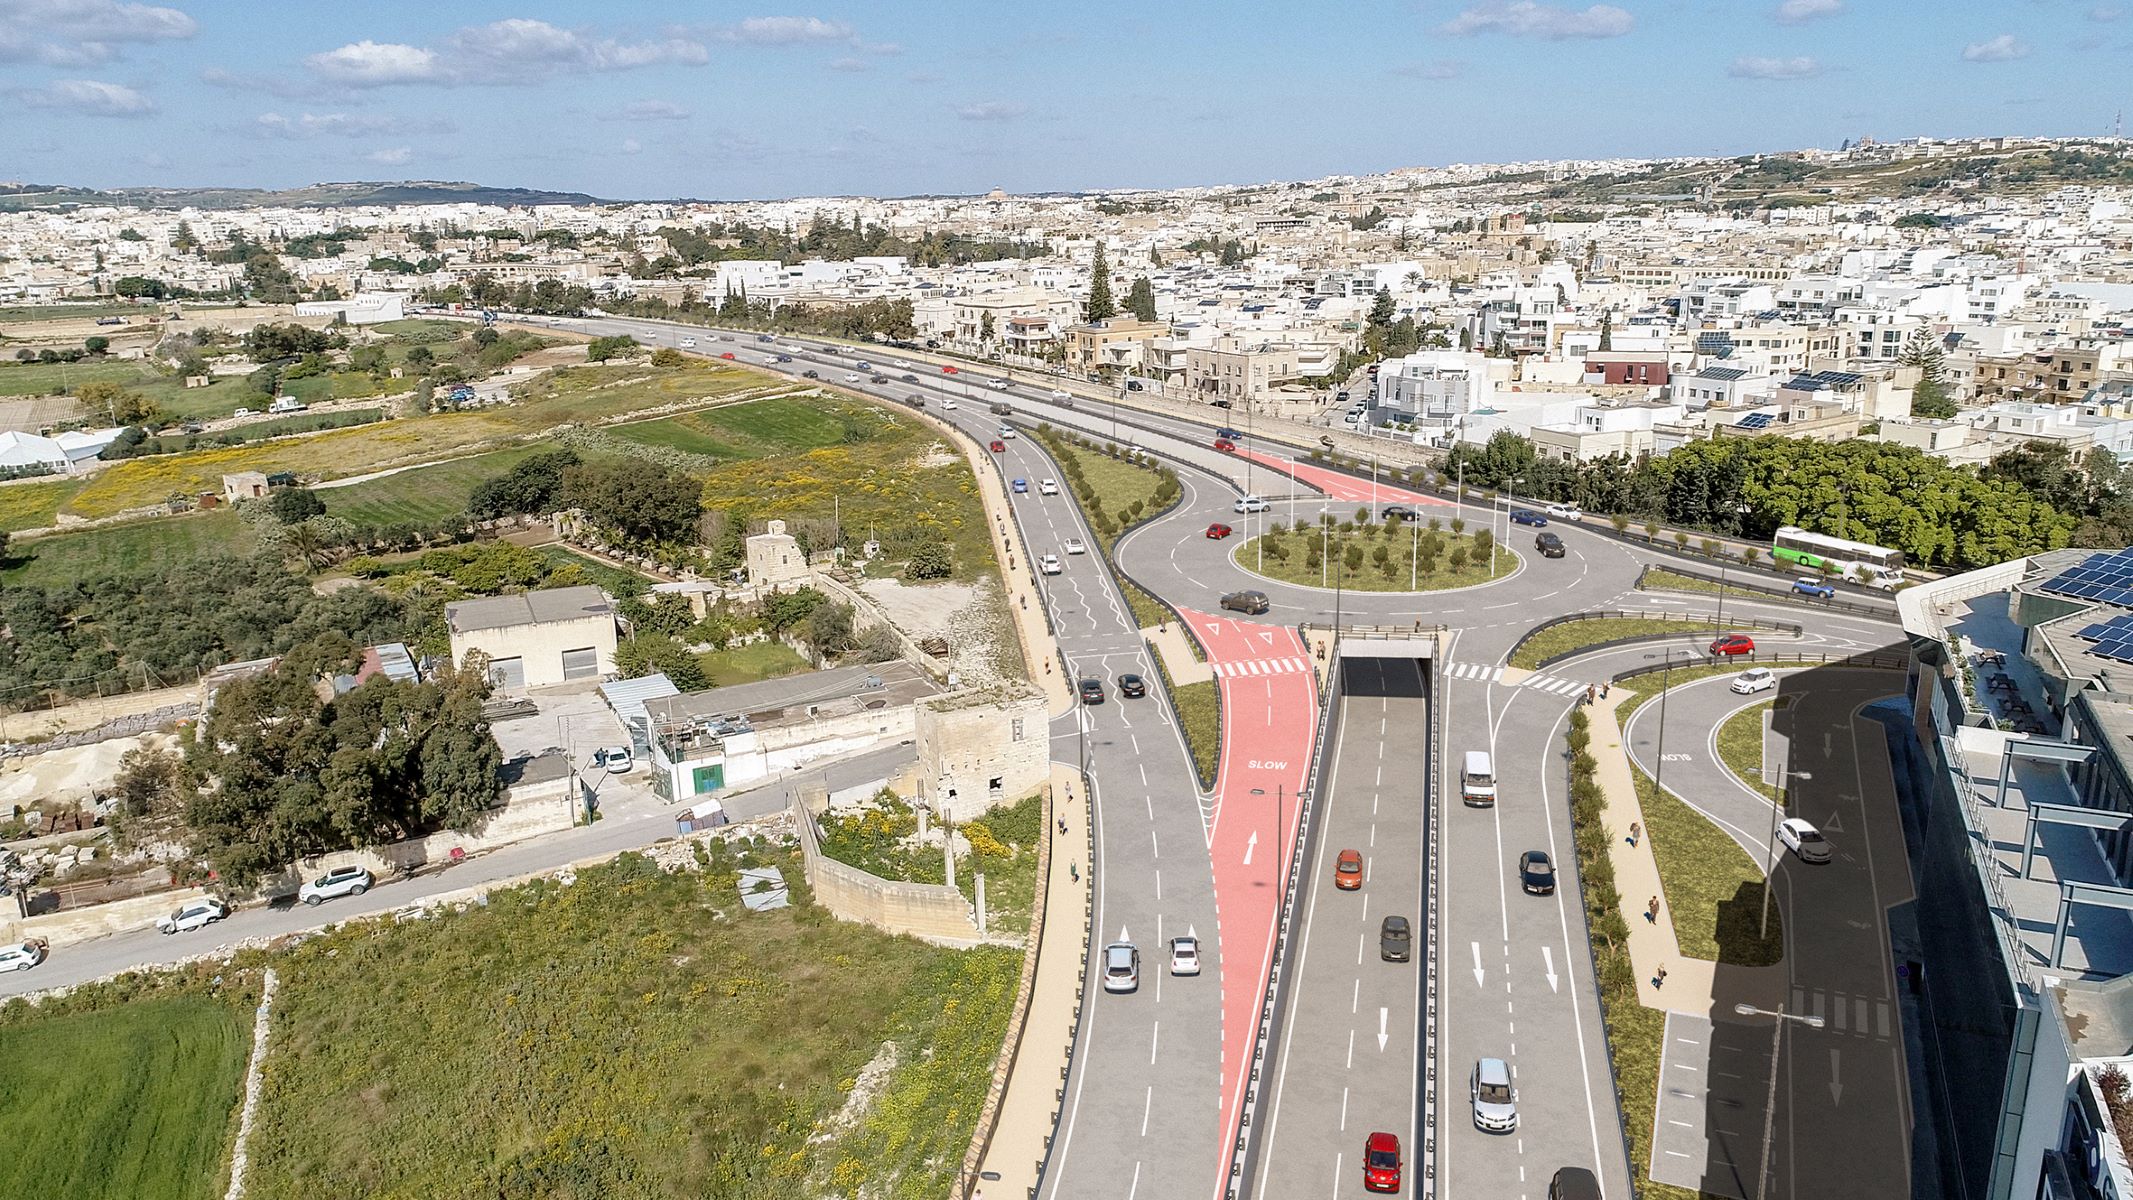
(1092, 691)
(1549, 545)
(1252, 603)
(1394, 938)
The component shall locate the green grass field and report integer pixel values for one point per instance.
(137, 1100)
(757, 429)
(619, 583)
(1201, 716)
(1714, 891)
(34, 504)
(421, 495)
(1740, 747)
(1572, 636)
(45, 379)
(130, 548)
(751, 663)
(24, 314)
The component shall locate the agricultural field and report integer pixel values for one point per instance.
(755, 429)
(43, 379)
(34, 504)
(128, 548)
(615, 581)
(751, 663)
(30, 314)
(137, 1099)
(421, 495)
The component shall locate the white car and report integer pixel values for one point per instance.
(340, 881)
(1122, 967)
(1565, 512)
(197, 915)
(1249, 504)
(688, 343)
(1495, 1097)
(1184, 956)
(1134, 451)
(851, 379)
(21, 956)
(1061, 396)
(1048, 487)
(1076, 546)
(948, 403)
(1804, 840)
(1049, 564)
(615, 759)
(1753, 680)
(1006, 433)
(998, 384)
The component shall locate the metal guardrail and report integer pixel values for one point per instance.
(1432, 860)
(1762, 584)
(1862, 662)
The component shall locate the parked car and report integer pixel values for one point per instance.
(1020, 486)
(1526, 516)
(197, 915)
(1728, 645)
(615, 760)
(1075, 545)
(1395, 939)
(1813, 587)
(1049, 564)
(1753, 680)
(1210, 403)
(1549, 545)
(1397, 512)
(1536, 873)
(1218, 531)
(21, 956)
(1249, 504)
(1225, 445)
(1804, 840)
(1132, 687)
(1185, 955)
(1381, 1163)
(998, 446)
(1047, 487)
(1495, 1100)
(340, 881)
(1564, 512)
(1249, 602)
(1348, 870)
(1122, 967)
(1092, 691)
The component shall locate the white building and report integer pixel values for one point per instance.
(537, 638)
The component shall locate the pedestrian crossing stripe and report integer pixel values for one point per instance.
(1494, 674)
(1262, 666)
(1473, 671)
(1843, 1013)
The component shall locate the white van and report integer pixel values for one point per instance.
(1477, 783)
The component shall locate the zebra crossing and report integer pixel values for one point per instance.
(1493, 673)
(1262, 666)
(1843, 1012)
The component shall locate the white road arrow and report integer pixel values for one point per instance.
(1548, 958)
(1836, 1088)
(1249, 846)
(1477, 964)
(1381, 1030)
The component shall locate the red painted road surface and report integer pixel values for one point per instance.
(1269, 717)
(1338, 485)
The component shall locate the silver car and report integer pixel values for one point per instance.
(1495, 1100)
(21, 956)
(198, 915)
(1122, 967)
(340, 881)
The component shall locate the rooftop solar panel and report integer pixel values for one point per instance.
(2106, 577)
(1755, 421)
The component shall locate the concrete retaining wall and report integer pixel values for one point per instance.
(98, 920)
(933, 912)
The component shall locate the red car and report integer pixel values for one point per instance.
(1225, 445)
(1219, 531)
(1348, 870)
(727, 354)
(947, 370)
(1732, 644)
(1381, 1163)
(998, 446)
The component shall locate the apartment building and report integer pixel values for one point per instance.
(1247, 369)
(1112, 344)
(1595, 431)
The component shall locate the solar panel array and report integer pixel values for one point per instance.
(1755, 421)
(2113, 638)
(2106, 577)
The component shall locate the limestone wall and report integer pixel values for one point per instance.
(932, 911)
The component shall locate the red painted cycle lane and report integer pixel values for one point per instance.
(1338, 485)
(1269, 718)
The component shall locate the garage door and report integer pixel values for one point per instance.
(581, 664)
(508, 673)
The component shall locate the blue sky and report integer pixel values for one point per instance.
(718, 101)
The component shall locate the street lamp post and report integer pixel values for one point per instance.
(1777, 1030)
(1666, 675)
(1777, 810)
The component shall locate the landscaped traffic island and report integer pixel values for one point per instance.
(1389, 556)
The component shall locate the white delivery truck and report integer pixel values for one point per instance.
(1477, 780)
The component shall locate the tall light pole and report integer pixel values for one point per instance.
(1777, 810)
(1777, 1031)
(1666, 675)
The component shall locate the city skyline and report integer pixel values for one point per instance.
(726, 102)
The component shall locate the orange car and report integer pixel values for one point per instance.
(1348, 870)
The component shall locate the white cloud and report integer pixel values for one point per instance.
(648, 110)
(849, 63)
(631, 146)
(1525, 18)
(1442, 68)
(1758, 67)
(517, 50)
(2003, 48)
(88, 97)
(339, 124)
(1796, 12)
(75, 33)
(989, 110)
(390, 158)
(787, 31)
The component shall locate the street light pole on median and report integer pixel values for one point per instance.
(1777, 1030)
(1666, 676)
(1771, 846)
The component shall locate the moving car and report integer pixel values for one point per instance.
(810, 374)
(1047, 487)
(1250, 602)
(1122, 967)
(340, 881)
(1249, 504)
(727, 354)
(1395, 939)
(1218, 531)
(1381, 1163)
(1526, 516)
(1000, 384)
(1225, 445)
(1185, 955)
(1132, 687)
(688, 343)
(908, 377)
(197, 915)
(1075, 545)
(948, 371)
(1348, 870)
(1477, 779)
(1753, 680)
(998, 446)
(1813, 587)
(1092, 691)
(1397, 512)
(1049, 564)
(1020, 486)
(1227, 434)
(1007, 431)
(1063, 397)
(1495, 1100)
(1564, 512)
(864, 365)
(1804, 840)
(1548, 544)
(784, 358)
(852, 378)
(615, 760)
(1730, 644)
(1574, 1183)
(21, 956)
(948, 402)
(1536, 874)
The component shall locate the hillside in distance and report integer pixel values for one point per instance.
(17, 196)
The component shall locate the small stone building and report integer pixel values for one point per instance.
(774, 558)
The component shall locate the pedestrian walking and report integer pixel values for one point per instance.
(1651, 911)
(1636, 830)
(1591, 690)
(1062, 825)
(1603, 691)
(1659, 977)
(1074, 869)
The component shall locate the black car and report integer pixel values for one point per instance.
(1394, 939)
(908, 378)
(810, 374)
(878, 379)
(1252, 603)
(1549, 545)
(1526, 516)
(1535, 873)
(784, 358)
(1398, 512)
(1218, 404)
(1132, 687)
(1092, 691)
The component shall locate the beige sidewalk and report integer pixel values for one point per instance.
(1652, 944)
(1179, 656)
(1029, 1110)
